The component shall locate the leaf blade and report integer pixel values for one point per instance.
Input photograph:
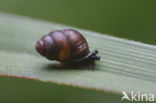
(125, 65)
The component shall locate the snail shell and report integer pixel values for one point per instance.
(63, 45)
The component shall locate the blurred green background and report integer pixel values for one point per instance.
(131, 19)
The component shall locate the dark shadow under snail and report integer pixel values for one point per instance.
(67, 46)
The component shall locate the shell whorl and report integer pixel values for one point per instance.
(78, 43)
(45, 47)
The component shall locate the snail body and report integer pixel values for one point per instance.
(65, 46)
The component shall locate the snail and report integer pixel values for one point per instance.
(67, 46)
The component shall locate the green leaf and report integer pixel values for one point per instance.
(124, 66)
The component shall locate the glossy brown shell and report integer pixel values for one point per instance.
(63, 45)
